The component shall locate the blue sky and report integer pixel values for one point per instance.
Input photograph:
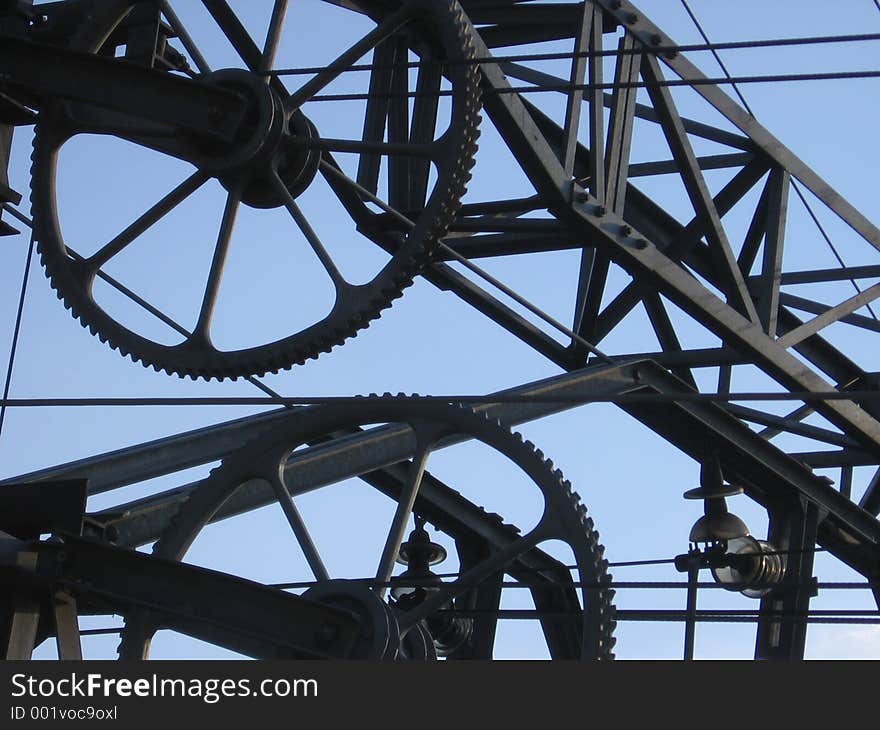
(429, 341)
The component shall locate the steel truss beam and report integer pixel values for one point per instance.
(638, 252)
(767, 473)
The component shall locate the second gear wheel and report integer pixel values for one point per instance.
(575, 601)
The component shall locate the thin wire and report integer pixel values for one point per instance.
(620, 399)
(616, 585)
(522, 301)
(827, 238)
(715, 54)
(568, 55)
(467, 263)
(371, 581)
(838, 617)
(718, 612)
(18, 215)
(633, 563)
(252, 379)
(611, 85)
(17, 329)
(95, 632)
(275, 399)
(794, 184)
(842, 616)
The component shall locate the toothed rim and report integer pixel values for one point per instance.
(245, 463)
(346, 317)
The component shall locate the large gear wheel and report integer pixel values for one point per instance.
(277, 156)
(579, 598)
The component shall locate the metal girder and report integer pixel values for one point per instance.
(225, 610)
(642, 111)
(636, 23)
(7, 194)
(766, 471)
(793, 527)
(485, 600)
(636, 253)
(47, 71)
(826, 315)
(164, 456)
(726, 268)
(377, 455)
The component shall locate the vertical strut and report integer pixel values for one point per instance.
(782, 628)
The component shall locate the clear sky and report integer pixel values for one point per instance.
(429, 341)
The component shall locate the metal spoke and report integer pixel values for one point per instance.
(307, 231)
(401, 518)
(273, 38)
(300, 530)
(346, 59)
(185, 38)
(145, 221)
(340, 175)
(212, 288)
(234, 31)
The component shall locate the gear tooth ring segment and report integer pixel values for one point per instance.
(580, 621)
(277, 155)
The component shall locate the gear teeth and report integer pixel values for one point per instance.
(571, 513)
(450, 26)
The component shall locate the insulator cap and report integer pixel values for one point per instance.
(717, 527)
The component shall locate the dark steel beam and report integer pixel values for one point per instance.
(42, 71)
(376, 455)
(767, 473)
(376, 113)
(238, 614)
(19, 604)
(789, 425)
(642, 111)
(637, 23)
(174, 453)
(843, 273)
(827, 315)
(771, 269)
(793, 528)
(665, 332)
(646, 261)
(507, 244)
(727, 271)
